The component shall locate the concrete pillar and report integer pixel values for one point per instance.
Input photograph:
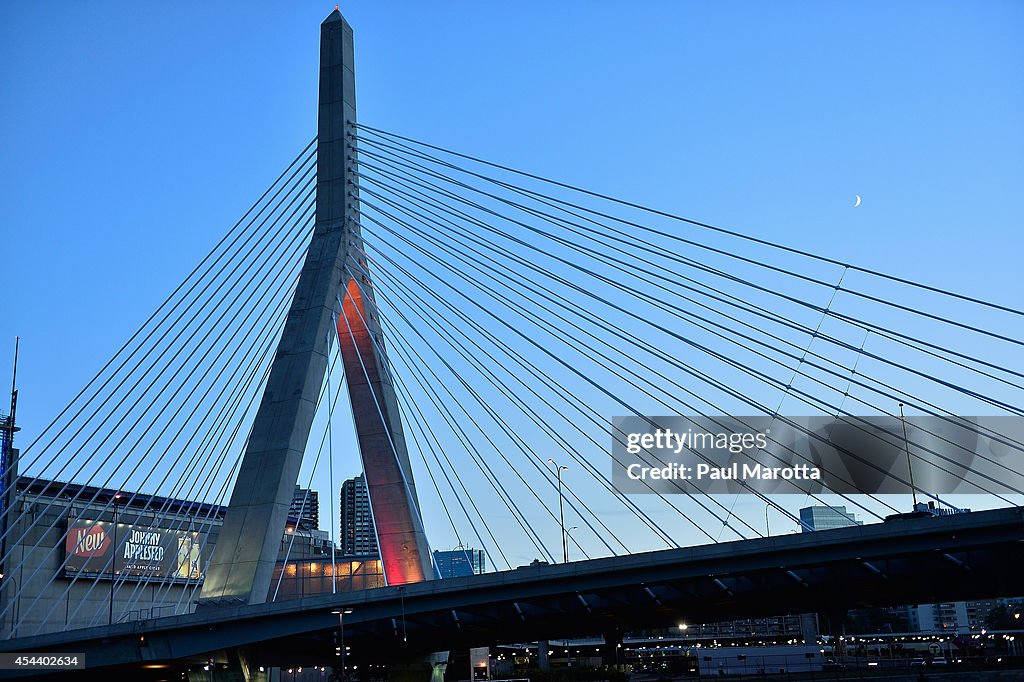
(438, 665)
(543, 662)
(334, 271)
(247, 548)
(479, 664)
(809, 627)
(611, 651)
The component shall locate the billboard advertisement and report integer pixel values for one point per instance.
(142, 551)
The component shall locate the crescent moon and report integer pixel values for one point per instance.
(857, 203)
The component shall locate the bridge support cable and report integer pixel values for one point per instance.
(176, 298)
(485, 226)
(668, 254)
(824, 311)
(200, 476)
(206, 475)
(530, 341)
(47, 454)
(467, 355)
(236, 413)
(271, 223)
(803, 349)
(331, 403)
(905, 399)
(433, 443)
(489, 475)
(406, 167)
(793, 356)
(800, 357)
(466, 237)
(515, 308)
(422, 309)
(421, 444)
(240, 417)
(330, 461)
(478, 265)
(256, 303)
(412, 410)
(225, 336)
(440, 405)
(749, 261)
(154, 356)
(603, 362)
(732, 233)
(258, 354)
(495, 417)
(904, 339)
(80, 515)
(849, 516)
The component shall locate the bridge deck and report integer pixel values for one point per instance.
(923, 560)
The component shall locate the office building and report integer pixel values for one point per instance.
(823, 517)
(459, 562)
(358, 536)
(305, 509)
(958, 616)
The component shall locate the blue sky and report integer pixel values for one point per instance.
(135, 135)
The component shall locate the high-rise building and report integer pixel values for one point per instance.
(959, 616)
(823, 517)
(459, 562)
(305, 509)
(358, 536)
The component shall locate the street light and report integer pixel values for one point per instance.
(561, 513)
(341, 639)
(568, 535)
(910, 465)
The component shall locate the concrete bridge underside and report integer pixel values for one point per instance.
(904, 561)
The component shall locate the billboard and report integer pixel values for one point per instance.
(142, 551)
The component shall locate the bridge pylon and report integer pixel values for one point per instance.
(247, 549)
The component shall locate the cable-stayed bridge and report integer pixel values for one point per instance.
(483, 321)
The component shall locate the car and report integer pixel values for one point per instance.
(914, 662)
(939, 660)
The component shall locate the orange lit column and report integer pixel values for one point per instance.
(404, 551)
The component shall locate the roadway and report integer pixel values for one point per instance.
(914, 560)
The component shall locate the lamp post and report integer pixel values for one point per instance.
(910, 466)
(341, 637)
(568, 536)
(113, 562)
(561, 512)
